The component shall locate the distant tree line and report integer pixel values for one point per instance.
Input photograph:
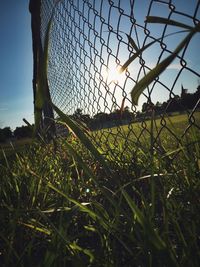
(105, 120)
(5, 134)
(184, 102)
(20, 132)
(118, 117)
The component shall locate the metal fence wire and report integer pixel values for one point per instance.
(90, 40)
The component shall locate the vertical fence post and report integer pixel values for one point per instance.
(48, 116)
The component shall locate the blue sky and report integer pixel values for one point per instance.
(186, 78)
(75, 76)
(16, 99)
(16, 94)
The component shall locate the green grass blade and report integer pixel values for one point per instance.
(6, 160)
(139, 51)
(40, 97)
(82, 137)
(87, 252)
(36, 228)
(134, 208)
(136, 55)
(122, 106)
(166, 21)
(132, 42)
(155, 72)
(83, 207)
(41, 83)
(81, 163)
(145, 223)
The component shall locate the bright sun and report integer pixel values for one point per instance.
(112, 74)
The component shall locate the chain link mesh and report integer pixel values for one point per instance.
(89, 41)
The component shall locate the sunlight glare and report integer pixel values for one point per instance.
(112, 75)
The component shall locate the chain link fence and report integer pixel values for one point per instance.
(90, 40)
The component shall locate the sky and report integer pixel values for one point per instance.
(16, 94)
(150, 56)
(16, 97)
(86, 53)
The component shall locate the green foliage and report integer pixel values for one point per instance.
(161, 67)
(23, 132)
(63, 204)
(5, 134)
(82, 135)
(41, 92)
(166, 21)
(58, 208)
(154, 73)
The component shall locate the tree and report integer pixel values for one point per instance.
(2, 136)
(146, 107)
(22, 132)
(127, 114)
(78, 113)
(5, 134)
(79, 116)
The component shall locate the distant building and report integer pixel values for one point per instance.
(184, 91)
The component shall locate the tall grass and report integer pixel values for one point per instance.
(58, 210)
(64, 204)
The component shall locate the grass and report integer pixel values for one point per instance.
(12, 147)
(168, 136)
(175, 122)
(64, 204)
(60, 207)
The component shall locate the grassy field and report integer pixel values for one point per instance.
(177, 123)
(14, 146)
(167, 135)
(62, 205)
